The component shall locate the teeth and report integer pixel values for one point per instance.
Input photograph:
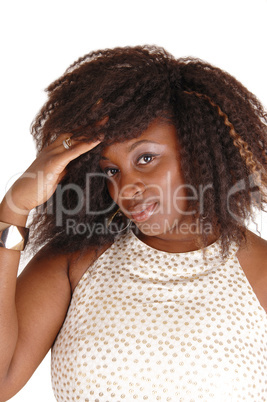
(139, 211)
(140, 215)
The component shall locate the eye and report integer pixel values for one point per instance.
(110, 172)
(146, 158)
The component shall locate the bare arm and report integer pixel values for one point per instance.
(32, 308)
(252, 257)
(31, 317)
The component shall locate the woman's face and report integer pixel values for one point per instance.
(146, 180)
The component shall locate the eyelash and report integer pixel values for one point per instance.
(144, 156)
(107, 170)
(152, 156)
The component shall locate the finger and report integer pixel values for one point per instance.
(80, 148)
(59, 140)
(64, 156)
(70, 144)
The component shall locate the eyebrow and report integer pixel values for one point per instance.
(135, 145)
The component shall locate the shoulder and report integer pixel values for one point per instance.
(252, 256)
(71, 265)
(49, 260)
(79, 262)
(254, 250)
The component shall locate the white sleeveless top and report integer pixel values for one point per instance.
(147, 325)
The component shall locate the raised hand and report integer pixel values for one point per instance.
(39, 181)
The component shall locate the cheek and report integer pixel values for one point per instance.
(112, 189)
(179, 199)
(173, 192)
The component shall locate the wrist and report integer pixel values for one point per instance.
(13, 237)
(14, 216)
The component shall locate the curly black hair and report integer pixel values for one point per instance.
(221, 130)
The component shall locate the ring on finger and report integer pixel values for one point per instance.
(67, 143)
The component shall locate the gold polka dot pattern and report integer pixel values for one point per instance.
(147, 325)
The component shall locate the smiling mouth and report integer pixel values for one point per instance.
(143, 213)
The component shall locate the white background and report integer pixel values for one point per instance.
(39, 39)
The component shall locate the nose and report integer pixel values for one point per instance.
(131, 186)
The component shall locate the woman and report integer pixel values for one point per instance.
(147, 285)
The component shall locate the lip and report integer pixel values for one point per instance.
(142, 212)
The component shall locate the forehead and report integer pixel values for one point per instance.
(158, 132)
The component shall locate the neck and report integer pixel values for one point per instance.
(176, 241)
